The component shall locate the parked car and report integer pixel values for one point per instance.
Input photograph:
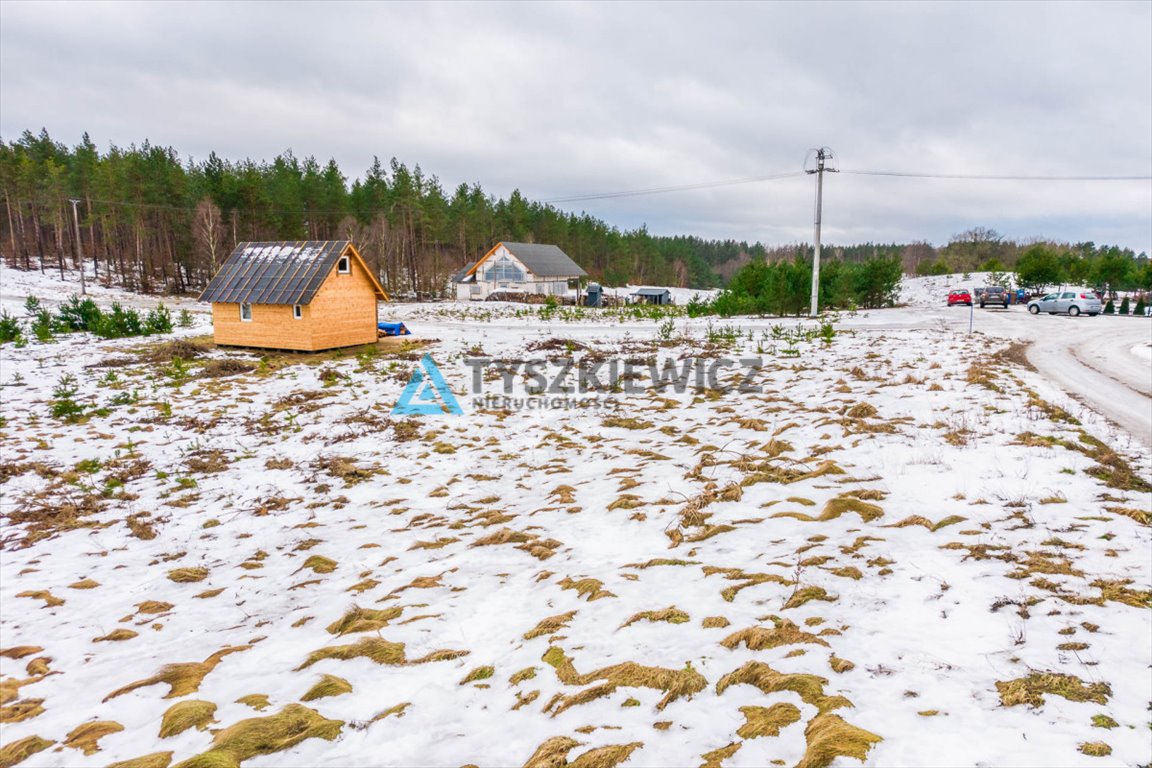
(960, 296)
(993, 294)
(1071, 302)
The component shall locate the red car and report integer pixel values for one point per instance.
(961, 296)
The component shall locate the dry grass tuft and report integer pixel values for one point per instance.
(182, 679)
(363, 620)
(810, 688)
(553, 753)
(807, 594)
(926, 523)
(1103, 721)
(154, 760)
(550, 625)
(228, 366)
(541, 549)
(762, 638)
(20, 750)
(528, 673)
(328, 685)
(265, 736)
(746, 580)
(20, 651)
(714, 622)
(258, 701)
(1030, 690)
(591, 588)
(396, 710)
(1141, 516)
(86, 737)
(767, 721)
(479, 673)
(22, 710)
(319, 564)
(793, 472)
(606, 757)
(187, 714)
(153, 606)
(839, 665)
(675, 683)
(50, 600)
(1095, 749)
(830, 737)
(84, 584)
(164, 352)
(838, 506)
(716, 758)
(378, 650)
(672, 615)
(861, 411)
(344, 468)
(186, 575)
(38, 667)
(626, 422)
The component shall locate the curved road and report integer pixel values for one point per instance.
(1105, 361)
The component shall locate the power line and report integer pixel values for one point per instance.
(674, 188)
(987, 177)
(271, 209)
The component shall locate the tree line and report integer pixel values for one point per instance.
(153, 222)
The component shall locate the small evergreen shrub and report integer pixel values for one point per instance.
(10, 328)
(158, 320)
(1109, 309)
(1124, 306)
(77, 314)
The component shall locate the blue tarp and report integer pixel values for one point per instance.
(394, 329)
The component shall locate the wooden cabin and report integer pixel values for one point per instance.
(528, 268)
(304, 296)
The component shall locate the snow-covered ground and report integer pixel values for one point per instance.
(904, 548)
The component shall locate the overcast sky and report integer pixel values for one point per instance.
(565, 99)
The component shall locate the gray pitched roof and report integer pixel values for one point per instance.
(274, 273)
(545, 260)
(462, 274)
(651, 292)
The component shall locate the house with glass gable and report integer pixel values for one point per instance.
(528, 268)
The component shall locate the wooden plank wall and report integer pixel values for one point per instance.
(344, 310)
(272, 326)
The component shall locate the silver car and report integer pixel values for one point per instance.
(1071, 302)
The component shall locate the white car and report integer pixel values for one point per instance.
(1071, 302)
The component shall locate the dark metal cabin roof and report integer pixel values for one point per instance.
(545, 260)
(651, 292)
(274, 273)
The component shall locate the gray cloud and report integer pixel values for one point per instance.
(561, 99)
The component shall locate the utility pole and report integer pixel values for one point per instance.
(822, 154)
(79, 253)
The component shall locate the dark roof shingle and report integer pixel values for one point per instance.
(274, 273)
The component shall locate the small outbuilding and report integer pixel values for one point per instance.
(652, 296)
(304, 296)
(529, 268)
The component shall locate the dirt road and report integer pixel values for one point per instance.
(1105, 361)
